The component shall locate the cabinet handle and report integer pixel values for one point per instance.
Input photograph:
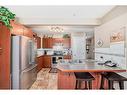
(0, 51)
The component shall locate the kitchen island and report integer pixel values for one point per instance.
(66, 77)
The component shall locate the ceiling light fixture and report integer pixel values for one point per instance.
(56, 29)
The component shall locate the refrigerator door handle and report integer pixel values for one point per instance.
(29, 69)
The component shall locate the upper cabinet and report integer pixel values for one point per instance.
(47, 42)
(27, 32)
(65, 41)
(50, 42)
(19, 29)
(38, 42)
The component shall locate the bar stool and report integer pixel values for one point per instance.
(111, 77)
(83, 76)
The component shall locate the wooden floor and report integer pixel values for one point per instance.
(45, 80)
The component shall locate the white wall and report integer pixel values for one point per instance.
(103, 32)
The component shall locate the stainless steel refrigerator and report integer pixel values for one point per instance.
(24, 67)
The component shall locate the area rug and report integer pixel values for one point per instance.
(53, 70)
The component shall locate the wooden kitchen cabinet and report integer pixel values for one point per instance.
(19, 29)
(67, 80)
(38, 42)
(5, 39)
(39, 63)
(67, 56)
(65, 41)
(50, 43)
(47, 61)
(43, 61)
(47, 42)
(27, 32)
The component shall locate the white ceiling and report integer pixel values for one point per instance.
(60, 11)
(39, 17)
(59, 14)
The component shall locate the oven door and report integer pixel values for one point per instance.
(55, 60)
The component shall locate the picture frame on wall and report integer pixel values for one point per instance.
(117, 41)
(118, 35)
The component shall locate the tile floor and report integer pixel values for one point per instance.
(45, 80)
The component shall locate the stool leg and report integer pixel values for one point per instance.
(102, 82)
(90, 84)
(110, 84)
(86, 85)
(76, 84)
(79, 85)
(121, 84)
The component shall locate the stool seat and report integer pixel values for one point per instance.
(83, 76)
(111, 77)
(114, 77)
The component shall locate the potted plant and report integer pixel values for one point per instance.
(66, 36)
(6, 16)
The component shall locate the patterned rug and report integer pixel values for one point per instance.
(53, 70)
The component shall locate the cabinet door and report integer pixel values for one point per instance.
(66, 80)
(5, 57)
(0, 38)
(44, 42)
(50, 43)
(38, 42)
(67, 56)
(17, 29)
(47, 42)
(47, 61)
(40, 63)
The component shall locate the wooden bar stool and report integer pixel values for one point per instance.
(83, 76)
(111, 77)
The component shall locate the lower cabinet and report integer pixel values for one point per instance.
(43, 61)
(67, 57)
(47, 61)
(67, 80)
(39, 63)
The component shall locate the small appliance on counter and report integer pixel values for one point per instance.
(58, 53)
(56, 60)
(108, 63)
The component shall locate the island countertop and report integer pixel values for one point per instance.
(87, 67)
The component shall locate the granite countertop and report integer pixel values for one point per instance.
(87, 67)
(52, 55)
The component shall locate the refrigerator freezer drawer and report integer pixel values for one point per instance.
(28, 77)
